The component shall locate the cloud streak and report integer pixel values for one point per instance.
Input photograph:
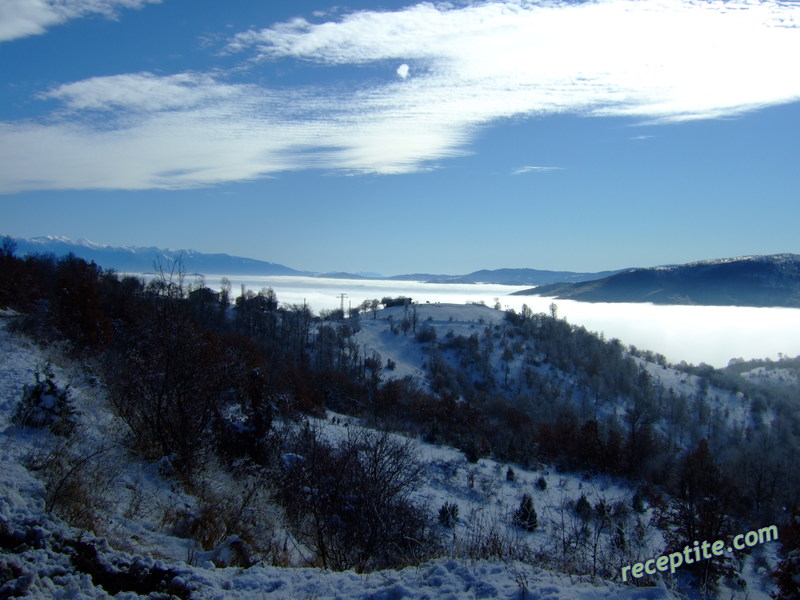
(534, 169)
(661, 61)
(22, 18)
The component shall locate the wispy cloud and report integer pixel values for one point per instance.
(661, 61)
(21, 18)
(144, 92)
(533, 169)
(664, 60)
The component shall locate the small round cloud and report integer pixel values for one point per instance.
(402, 71)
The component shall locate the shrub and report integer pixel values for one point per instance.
(448, 514)
(541, 483)
(78, 479)
(583, 509)
(525, 516)
(350, 503)
(471, 452)
(44, 404)
(787, 575)
(426, 335)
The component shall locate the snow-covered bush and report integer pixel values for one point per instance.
(44, 404)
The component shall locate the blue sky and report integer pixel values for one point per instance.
(405, 137)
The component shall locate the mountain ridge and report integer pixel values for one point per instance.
(138, 259)
(752, 280)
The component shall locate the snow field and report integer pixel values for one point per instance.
(132, 503)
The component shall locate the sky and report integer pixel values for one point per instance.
(402, 137)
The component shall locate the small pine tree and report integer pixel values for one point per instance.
(44, 404)
(471, 451)
(510, 475)
(541, 483)
(525, 516)
(583, 509)
(448, 514)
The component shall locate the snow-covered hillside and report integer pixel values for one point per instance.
(43, 557)
(409, 358)
(126, 542)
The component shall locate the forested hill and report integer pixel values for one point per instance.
(746, 281)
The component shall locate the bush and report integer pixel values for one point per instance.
(471, 452)
(583, 509)
(541, 483)
(44, 404)
(787, 575)
(448, 514)
(78, 480)
(525, 516)
(350, 503)
(426, 335)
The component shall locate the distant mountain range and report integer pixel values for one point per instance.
(745, 281)
(132, 259)
(508, 277)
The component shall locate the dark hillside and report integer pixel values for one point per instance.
(748, 281)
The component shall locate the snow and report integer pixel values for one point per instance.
(733, 406)
(375, 334)
(441, 579)
(773, 375)
(484, 495)
(136, 540)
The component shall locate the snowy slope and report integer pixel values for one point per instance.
(131, 502)
(43, 557)
(376, 335)
(734, 408)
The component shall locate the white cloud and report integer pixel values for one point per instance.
(143, 92)
(533, 169)
(142, 131)
(21, 18)
(660, 60)
(663, 59)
